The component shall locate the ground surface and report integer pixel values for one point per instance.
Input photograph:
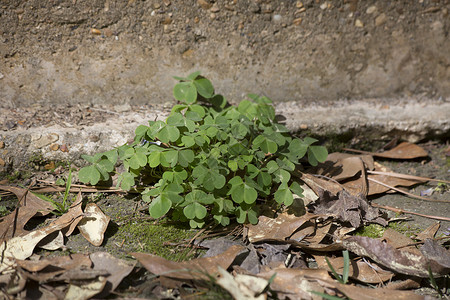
(80, 75)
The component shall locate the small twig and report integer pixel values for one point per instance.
(405, 176)
(399, 210)
(421, 242)
(374, 269)
(407, 193)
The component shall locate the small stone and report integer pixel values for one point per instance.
(1, 75)
(166, 2)
(64, 148)
(267, 9)
(299, 4)
(212, 16)
(204, 4)
(444, 13)
(303, 126)
(359, 23)
(297, 21)
(215, 8)
(50, 166)
(156, 5)
(95, 31)
(167, 21)
(381, 19)
(2, 144)
(196, 20)
(276, 18)
(371, 9)
(323, 6)
(45, 140)
(54, 147)
(299, 11)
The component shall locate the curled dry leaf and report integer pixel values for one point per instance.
(296, 283)
(21, 247)
(347, 208)
(86, 290)
(94, 224)
(398, 260)
(194, 269)
(76, 212)
(243, 286)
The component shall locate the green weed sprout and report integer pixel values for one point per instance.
(63, 207)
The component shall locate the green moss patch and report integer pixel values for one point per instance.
(158, 239)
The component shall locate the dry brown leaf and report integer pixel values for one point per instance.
(407, 284)
(436, 254)
(360, 293)
(59, 262)
(296, 283)
(318, 184)
(359, 270)
(193, 269)
(117, 268)
(429, 232)
(282, 227)
(76, 212)
(404, 150)
(85, 291)
(375, 188)
(341, 166)
(53, 241)
(243, 286)
(22, 247)
(398, 240)
(347, 208)
(398, 260)
(94, 224)
(322, 229)
(30, 205)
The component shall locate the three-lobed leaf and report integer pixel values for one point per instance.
(212, 158)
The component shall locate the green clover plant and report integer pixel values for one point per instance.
(209, 158)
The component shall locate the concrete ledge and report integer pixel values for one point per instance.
(409, 120)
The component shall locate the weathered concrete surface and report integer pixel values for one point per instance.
(102, 51)
(410, 121)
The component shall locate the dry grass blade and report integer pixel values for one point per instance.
(407, 193)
